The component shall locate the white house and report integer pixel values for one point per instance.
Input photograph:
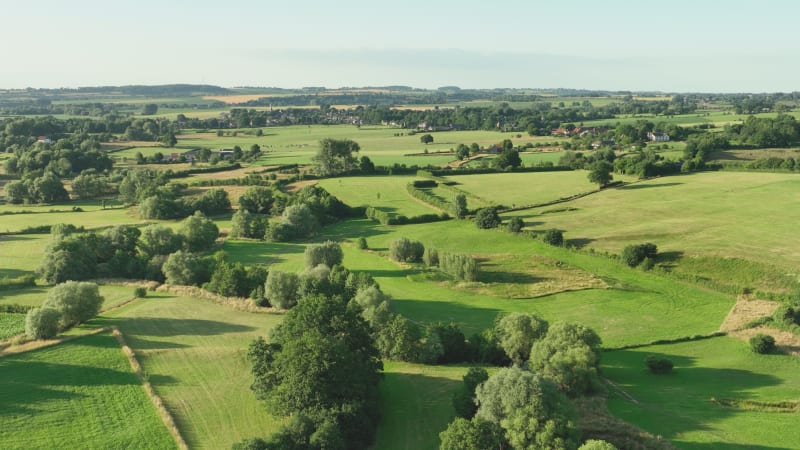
(658, 137)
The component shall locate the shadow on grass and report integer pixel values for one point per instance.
(256, 252)
(648, 186)
(353, 229)
(472, 319)
(579, 243)
(676, 403)
(133, 327)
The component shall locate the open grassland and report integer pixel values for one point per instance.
(637, 307)
(750, 155)
(679, 405)
(526, 188)
(193, 352)
(385, 193)
(384, 145)
(21, 254)
(80, 394)
(34, 296)
(92, 218)
(724, 215)
(416, 405)
(11, 324)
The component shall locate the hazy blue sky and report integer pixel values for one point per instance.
(680, 45)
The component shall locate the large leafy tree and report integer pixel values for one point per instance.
(335, 156)
(76, 301)
(517, 332)
(569, 354)
(321, 362)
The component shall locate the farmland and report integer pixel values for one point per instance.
(720, 235)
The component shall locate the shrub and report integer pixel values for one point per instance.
(516, 224)
(430, 257)
(658, 365)
(185, 268)
(42, 323)
(328, 253)
(594, 444)
(762, 343)
(553, 237)
(140, 292)
(462, 267)
(487, 218)
(199, 232)
(362, 243)
(633, 255)
(406, 250)
(281, 289)
(76, 301)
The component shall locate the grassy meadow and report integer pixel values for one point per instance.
(79, 394)
(680, 406)
(385, 193)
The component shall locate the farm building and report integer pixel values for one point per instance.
(657, 137)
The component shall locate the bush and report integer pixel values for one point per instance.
(406, 250)
(633, 255)
(762, 343)
(185, 268)
(140, 292)
(516, 224)
(430, 257)
(76, 301)
(42, 323)
(199, 232)
(328, 253)
(281, 289)
(362, 243)
(658, 365)
(553, 237)
(461, 267)
(487, 218)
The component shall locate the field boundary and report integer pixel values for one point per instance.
(36, 345)
(163, 413)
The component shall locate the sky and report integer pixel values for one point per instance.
(637, 45)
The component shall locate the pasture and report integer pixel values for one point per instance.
(35, 296)
(79, 394)
(193, 352)
(681, 405)
(720, 215)
(92, 218)
(385, 193)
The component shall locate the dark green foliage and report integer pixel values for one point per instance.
(600, 173)
(529, 408)
(162, 207)
(762, 343)
(257, 200)
(454, 344)
(89, 185)
(553, 237)
(140, 184)
(280, 289)
(399, 339)
(569, 354)
(508, 158)
(461, 267)
(362, 243)
(159, 240)
(464, 399)
(69, 258)
(516, 333)
(140, 292)
(424, 183)
(186, 268)
(76, 301)
(516, 224)
(199, 232)
(460, 206)
(335, 156)
(212, 202)
(42, 323)
(426, 138)
(278, 231)
(251, 444)
(463, 434)
(247, 225)
(594, 444)
(658, 365)
(328, 253)
(301, 220)
(487, 218)
(406, 250)
(633, 255)
(321, 362)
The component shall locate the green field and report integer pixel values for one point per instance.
(722, 215)
(34, 296)
(678, 406)
(193, 352)
(385, 193)
(21, 254)
(88, 218)
(516, 189)
(80, 394)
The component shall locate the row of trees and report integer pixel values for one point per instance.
(66, 305)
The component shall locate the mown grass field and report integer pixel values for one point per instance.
(35, 296)
(21, 254)
(88, 218)
(80, 394)
(193, 352)
(679, 405)
(518, 189)
(722, 214)
(385, 193)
